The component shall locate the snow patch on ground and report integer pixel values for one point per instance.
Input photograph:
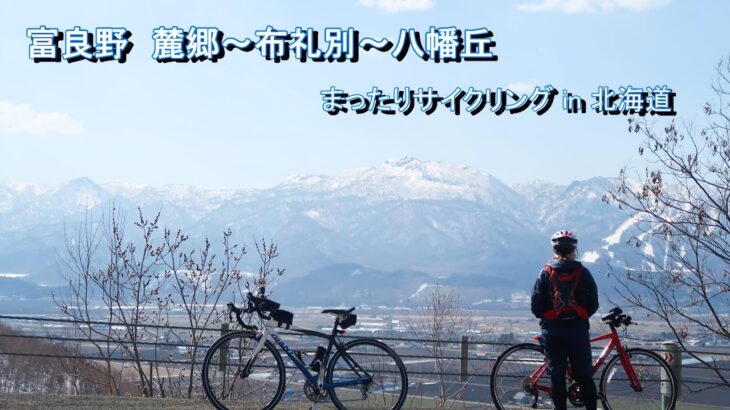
(13, 275)
(420, 290)
(313, 213)
(648, 249)
(615, 237)
(590, 257)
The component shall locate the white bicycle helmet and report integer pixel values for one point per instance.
(564, 242)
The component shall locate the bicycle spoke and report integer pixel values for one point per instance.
(388, 385)
(510, 384)
(230, 386)
(619, 392)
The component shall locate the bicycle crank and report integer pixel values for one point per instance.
(574, 395)
(313, 393)
(530, 389)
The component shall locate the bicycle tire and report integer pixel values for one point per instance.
(210, 358)
(335, 365)
(608, 375)
(536, 358)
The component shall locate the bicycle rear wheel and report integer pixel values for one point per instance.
(363, 358)
(617, 392)
(225, 381)
(510, 383)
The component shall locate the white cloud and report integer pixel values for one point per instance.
(522, 87)
(22, 119)
(588, 6)
(394, 6)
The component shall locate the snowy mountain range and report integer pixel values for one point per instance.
(419, 218)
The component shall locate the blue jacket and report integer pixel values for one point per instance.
(586, 295)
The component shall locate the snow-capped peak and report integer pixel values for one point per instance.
(301, 180)
(405, 178)
(78, 192)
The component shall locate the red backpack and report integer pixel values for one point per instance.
(564, 304)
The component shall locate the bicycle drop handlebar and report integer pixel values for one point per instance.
(615, 318)
(260, 305)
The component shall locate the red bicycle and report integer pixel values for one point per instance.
(632, 379)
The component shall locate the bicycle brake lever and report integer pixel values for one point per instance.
(230, 311)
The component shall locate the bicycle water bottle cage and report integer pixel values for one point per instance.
(318, 358)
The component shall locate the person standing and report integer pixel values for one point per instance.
(564, 297)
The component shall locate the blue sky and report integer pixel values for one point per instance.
(247, 122)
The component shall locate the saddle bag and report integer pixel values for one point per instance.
(350, 320)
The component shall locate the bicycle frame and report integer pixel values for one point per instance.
(614, 342)
(269, 334)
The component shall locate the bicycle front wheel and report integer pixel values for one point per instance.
(511, 385)
(386, 386)
(658, 385)
(235, 378)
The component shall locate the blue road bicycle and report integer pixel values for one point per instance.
(243, 369)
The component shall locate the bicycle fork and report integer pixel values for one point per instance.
(263, 337)
(629, 368)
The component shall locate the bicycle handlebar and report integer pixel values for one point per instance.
(612, 313)
(238, 311)
(255, 304)
(616, 318)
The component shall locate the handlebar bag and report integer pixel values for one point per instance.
(282, 317)
(268, 304)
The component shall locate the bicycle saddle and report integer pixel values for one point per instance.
(339, 312)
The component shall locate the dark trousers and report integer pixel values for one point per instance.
(570, 344)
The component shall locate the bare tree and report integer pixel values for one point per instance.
(139, 279)
(683, 203)
(438, 323)
(78, 266)
(131, 281)
(199, 283)
(266, 273)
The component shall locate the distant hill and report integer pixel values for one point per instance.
(20, 289)
(415, 220)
